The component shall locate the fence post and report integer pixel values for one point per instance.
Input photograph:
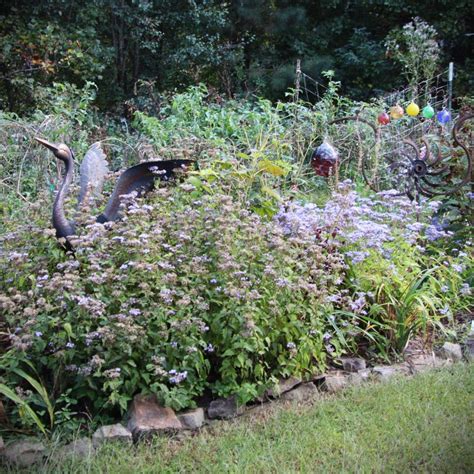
(298, 80)
(450, 85)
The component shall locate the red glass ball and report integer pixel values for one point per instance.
(383, 118)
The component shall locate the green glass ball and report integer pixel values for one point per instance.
(428, 112)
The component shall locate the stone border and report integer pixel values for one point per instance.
(147, 418)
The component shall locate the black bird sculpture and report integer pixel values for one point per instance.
(140, 178)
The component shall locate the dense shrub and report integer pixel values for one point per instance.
(189, 293)
(192, 294)
(404, 275)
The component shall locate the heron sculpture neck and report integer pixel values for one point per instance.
(63, 226)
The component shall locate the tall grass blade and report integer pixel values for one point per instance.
(11, 395)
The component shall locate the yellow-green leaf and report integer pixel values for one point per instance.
(68, 329)
(271, 192)
(269, 167)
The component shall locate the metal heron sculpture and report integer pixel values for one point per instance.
(140, 178)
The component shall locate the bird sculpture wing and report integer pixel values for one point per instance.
(140, 178)
(93, 169)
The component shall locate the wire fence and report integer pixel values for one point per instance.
(384, 149)
(433, 92)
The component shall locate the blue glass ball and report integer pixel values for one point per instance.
(443, 116)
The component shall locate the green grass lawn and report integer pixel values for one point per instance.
(420, 424)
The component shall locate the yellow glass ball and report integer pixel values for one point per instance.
(413, 110)
(396, 112)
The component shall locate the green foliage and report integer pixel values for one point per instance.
(191, 292)
(361, 63)
(26, 174)
(25, 410)
(235, 47)
(414, 295)
(37, 52)
(252, 142)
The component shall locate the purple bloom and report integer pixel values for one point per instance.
(70, 345)
(434, 233)
(38, 333)
(177, 377)
(458, 268)
(281, 282)
(357, 256)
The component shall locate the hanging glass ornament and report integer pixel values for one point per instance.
(413, 110)
(443, 116)
(325, 159)
(428, 112)
(383, 118)
(396, 112)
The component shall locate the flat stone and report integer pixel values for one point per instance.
(402, 369)
(365, 374)
(24, 453)
(425, 362)
(148, 417)
(115, 432)
(283, 386)
(451, 351)
(353, 364)
(384, 372)
(355, 379)
(335, 383)
(469, 347)
(223, 408)
(192, 419)
(302, 393)
(79, 448)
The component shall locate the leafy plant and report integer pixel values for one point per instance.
(415, 47)
(25, 406)
(406, 311)
(189, 292)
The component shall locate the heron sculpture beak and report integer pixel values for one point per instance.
(51, 146)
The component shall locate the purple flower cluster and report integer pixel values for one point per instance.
(360, 225)
(176, 377)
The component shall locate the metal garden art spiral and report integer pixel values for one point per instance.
(426, 158)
